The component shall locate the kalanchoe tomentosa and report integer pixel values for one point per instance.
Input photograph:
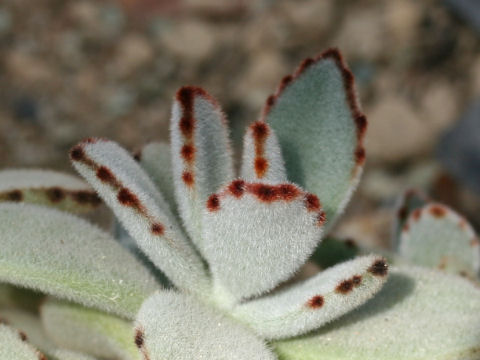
(226, 242)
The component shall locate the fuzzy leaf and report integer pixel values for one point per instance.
(199, 332)
(201, 154)
(250, 226)
(310, 304)
(59, 254)
(14, 347)
(419, 314)
(436, 236)
(262, 157)
(156, 160)
(320, 127)
(30, 325)
(408, 202)
(69, 355)
(130, 193)
(46, 187)
(88, 331)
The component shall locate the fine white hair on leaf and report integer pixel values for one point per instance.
(59, 254)
(257, 235)
(179, 327)
(419, 314)
(13, 346)
(47, 187)
(70, 355)
(409, 201)
(436, 236)
(88, 331)
(201, 154)
(140, 207)
(156, 160)
(29, 324)
(314, 302)
(262, 157)
(317, 119)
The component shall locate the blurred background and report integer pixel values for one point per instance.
(73, 69)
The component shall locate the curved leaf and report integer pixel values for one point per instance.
(59, 254)
(13, 346)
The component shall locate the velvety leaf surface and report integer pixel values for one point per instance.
(262, 157)
(57, 253)
(312, 303)
(201, 154)
(320, 127)
(88, 331)
(436, 236)
(258, 235)
(70, 355)
(142, 210)
(178, 327)
(419, 314)
(46, 187)
(13, 346)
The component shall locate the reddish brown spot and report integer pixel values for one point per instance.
(86, 197)
(321, 218)
(186, 97)
(345, 286)
(316, 302)
(285, 82)
(139, 340)
(188, 153)
(237, 188)
(304, 65)
(350, 243)
(360, 154)
(379, 268)
(188, 178)
(312, 203)
(138, 155)
(105, 175)
(260, 131)
(77, 153)
(22, 335)
(261, 166)
(270, 101)
(158, 229)
(41, 356)
(213, 202)
(287, 192)
(402, 213)
(437, 211)
(361, 122)
(264, 192)
(357, 280)
(14, 195)
(416, 214)
(55, 194)
(127, 198)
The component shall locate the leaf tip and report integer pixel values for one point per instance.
(379, 268)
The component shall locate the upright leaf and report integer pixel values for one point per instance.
(257, 235)
(201, 154)
(88, 331)
(176, 326)
(60, 254)
(131, 194)
(312, 303)
(320, 127)
(419, 314)
(436, 236)
(46, 187)
(13, 345)
(262, 157)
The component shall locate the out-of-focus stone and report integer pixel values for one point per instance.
(402, 18)
(133, 53)
(5, 21)
(27, 70)
(439, 105)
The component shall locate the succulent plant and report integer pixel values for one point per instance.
(202, 259)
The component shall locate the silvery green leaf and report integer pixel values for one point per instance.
(59, 254)
(88, 331)
(320, 127)
(46, 187)
(156, 160)
(436, 236)
(142, 210)
(13, 346)
(176, 326)
(408, 202)
(419, 314)
(310, 304)
(70, 355)
(29, 324)
(262, 157)
(257, 235)
(201, 154)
